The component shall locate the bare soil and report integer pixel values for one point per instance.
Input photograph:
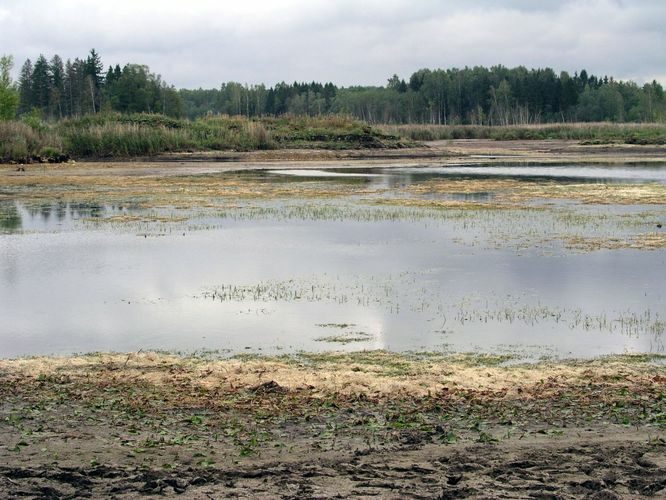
(369, 424)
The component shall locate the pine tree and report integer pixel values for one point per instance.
(26, 101)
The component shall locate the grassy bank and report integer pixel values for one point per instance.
(593, 133)
(115, 135)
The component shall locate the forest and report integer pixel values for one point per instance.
(51, 89)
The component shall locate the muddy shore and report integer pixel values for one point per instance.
(321, 426)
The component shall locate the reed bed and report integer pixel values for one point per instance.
(628, 133)
(115, 135)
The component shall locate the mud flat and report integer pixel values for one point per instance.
(323, 425)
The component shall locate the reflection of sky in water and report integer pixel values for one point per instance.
(620, 173)
(410, 283)
(403, 282)
(322, 173)
(403, 176)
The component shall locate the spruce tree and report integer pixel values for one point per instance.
(41, 85)
(57, 71)
(26, 101)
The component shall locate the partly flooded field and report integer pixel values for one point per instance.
(528, 261)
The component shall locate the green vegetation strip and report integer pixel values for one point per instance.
(587, 133)
(115, 135)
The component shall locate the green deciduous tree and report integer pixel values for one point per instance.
(9, 97)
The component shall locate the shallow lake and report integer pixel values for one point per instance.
(283, 275)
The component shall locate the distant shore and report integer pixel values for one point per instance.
(114, 136)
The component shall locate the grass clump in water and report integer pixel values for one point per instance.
(346, 338)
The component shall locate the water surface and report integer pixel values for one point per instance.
(285, 275)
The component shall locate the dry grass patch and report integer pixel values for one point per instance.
(181, 191)
(646, 241)
(372, 373)
(510, 192)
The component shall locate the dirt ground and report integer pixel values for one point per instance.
(368, 424)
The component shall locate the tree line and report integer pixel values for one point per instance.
(477, 96)
(53, 89)
(497, 95)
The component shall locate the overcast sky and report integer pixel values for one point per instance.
(201, 43)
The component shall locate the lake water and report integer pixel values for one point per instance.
(285, 275)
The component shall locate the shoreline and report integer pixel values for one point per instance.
(445, 152)
(317, 425)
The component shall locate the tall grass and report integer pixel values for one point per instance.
(629, 133)
(115, 135)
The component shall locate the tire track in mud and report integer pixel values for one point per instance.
(566, 468)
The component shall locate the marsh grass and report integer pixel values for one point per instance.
(398, 293)
(116, 135)
(643, 241)
(593, 133)
(346, 338)
(542, 208)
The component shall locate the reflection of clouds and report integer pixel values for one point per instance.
(594, 174)
(82, 291)
(321, 173)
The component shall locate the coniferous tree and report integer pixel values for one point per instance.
(93, 79)
(41, 85)
(57, 73)
(26, 101)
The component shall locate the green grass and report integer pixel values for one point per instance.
(594, 133)
(114, 135)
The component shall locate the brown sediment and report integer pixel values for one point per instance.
(198, 190)
(368, 423)
(512, 192)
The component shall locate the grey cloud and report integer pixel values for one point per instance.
(206, 42)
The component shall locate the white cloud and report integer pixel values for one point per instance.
(205, 42)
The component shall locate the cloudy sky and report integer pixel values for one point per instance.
(205, 42)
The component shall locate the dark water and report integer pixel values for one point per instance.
(275, 283)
